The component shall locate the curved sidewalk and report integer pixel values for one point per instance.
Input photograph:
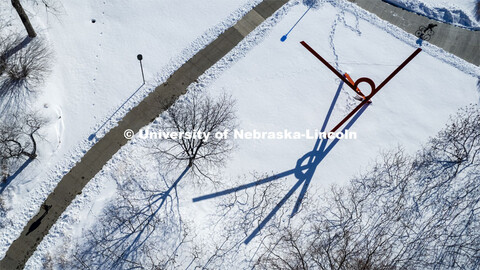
(144, 113)
(461, 42)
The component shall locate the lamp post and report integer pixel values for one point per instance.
(140, 58)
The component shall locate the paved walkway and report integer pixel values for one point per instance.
(150, 108)
(462, 42)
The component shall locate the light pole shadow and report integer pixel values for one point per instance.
(94, 134)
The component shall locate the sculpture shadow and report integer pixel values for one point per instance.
(303, 171)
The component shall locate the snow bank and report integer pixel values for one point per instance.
(459, 13)
(281, 85)
(96, 75)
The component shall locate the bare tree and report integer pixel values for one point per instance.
(24, 17)
(17, 137)
(142, 228)
(238, 215)
(7, 43)
(51, 6)
(23, 66)
(419, 212)
(201, 114)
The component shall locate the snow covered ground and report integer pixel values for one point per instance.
(95, 71)
(459, 12)
(277, 85)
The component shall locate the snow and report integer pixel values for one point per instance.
(289, 88)
(96, 71)
(277, 85)
(458, 12)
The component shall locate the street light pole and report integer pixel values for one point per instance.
(140, 57)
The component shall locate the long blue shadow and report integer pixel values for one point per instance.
(276, 176)
(303, 172)
(93, 135)
(137, 242)
(246, 186)
(17, 48)
(284, 37)
(307, 178)
(320, 149)
(9, 179)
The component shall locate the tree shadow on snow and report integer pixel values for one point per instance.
(17, 48)
(13, 93)
(303, 172)
(10, 178)
(122, 244)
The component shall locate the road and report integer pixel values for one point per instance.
(459, 41)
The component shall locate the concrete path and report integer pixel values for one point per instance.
(150, 108)
(462, 42)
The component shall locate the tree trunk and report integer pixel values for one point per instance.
(33, 154)
(23, 16)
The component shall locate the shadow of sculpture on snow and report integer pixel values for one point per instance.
(303, 172)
